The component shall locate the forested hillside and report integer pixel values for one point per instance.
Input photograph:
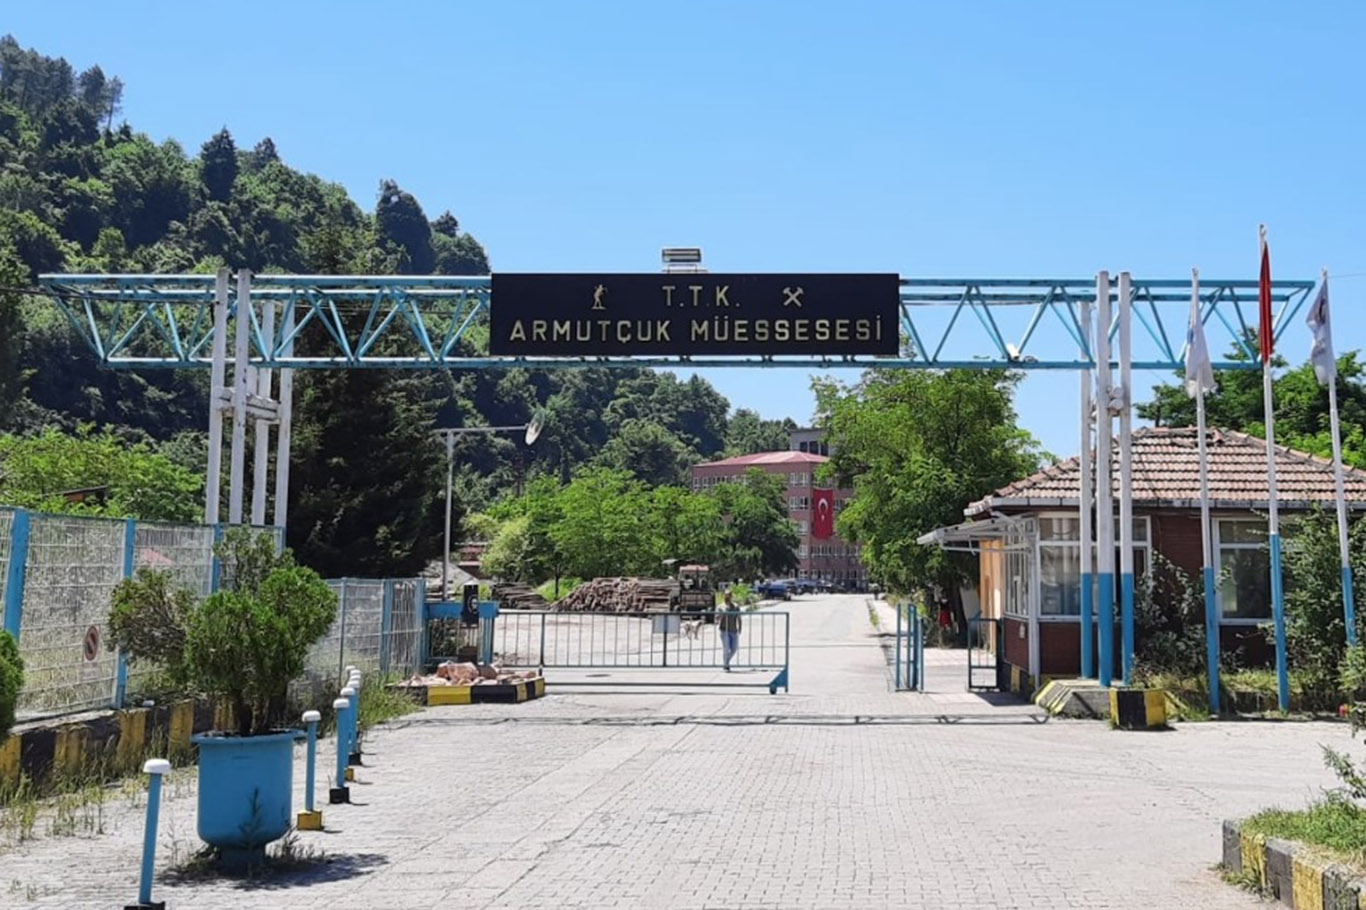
(81, 190)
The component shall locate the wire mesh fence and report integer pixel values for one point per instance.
(71, 569)
(403, 638)
(71, 565)
(6, 530)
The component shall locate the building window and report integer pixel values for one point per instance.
(1245, 567)
(802, 552)
(798, 503)
(1060, 564)
(1019, 564)
(801, 526)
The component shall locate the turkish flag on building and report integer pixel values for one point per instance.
(823, 513)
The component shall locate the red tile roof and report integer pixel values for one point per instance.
(1166, 462)
(784, 457)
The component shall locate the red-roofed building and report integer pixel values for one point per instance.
(821, 553)
(1027, 535)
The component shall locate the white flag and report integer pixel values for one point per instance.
(1199, 372)
(1321, 354)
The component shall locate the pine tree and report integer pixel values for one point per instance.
(219, 165)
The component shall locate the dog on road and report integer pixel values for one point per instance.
(692, 628)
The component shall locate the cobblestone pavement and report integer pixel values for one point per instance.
(840, 794)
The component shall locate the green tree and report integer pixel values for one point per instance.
(218, 165)
(1302, 419)
(747, 433)
(399, 222)
(368, 476)
(46, 471)
(917, 448)
(686, 526)
(648, 452)
(11, 375)
(1315, 631)
(759, 539)
(602, 529)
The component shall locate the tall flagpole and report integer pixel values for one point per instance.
(1348, 596)
(1087, 538)
(1206, 541)
(1267, 338)
(1126, 482)
(1105, 503)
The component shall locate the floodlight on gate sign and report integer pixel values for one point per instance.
(534, 428)
(682, 259)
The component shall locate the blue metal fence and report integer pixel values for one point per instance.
(549, 640)
(57, 573)
(908, 665)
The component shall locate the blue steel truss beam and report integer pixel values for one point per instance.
(440, 322)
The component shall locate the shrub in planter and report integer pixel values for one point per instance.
(244, 645)
(11, 680)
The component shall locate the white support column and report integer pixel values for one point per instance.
(1086, 502)
(261, 431)
(217, 375)
(446, 545)
(1126, 479)
(241, 376)
(1105, 516)
(284, 438)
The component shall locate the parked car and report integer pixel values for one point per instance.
(807, 585)
(774, 589)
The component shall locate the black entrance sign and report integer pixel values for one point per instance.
(572, 315)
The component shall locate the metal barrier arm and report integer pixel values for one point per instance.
(549, 640)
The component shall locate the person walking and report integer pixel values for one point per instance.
(728, 623)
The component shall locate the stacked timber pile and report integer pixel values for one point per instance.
(618, 595)
(518, 597)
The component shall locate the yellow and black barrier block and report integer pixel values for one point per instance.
(1138, 709)
(1289, 872)
(484, 693)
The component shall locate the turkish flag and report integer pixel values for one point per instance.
(823, 514)
(1265, 330)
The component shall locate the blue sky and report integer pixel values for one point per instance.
(984, 139)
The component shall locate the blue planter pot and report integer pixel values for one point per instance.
(245, 789)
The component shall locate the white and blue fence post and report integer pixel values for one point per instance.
(386, 626)
(353, 757)
(14, 577)
(310, 819)
(897, 649)
(1278, 623)
(155, 769)
(346, 730)
(488, 615)
(215, 564)
(121, 669)
(340, 793)
(919, 652)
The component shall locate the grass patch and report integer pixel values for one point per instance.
(283, 857)
(873, 617)
(379, 704)
(547, 588)
(1335, 825)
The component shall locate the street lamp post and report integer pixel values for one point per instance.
(530, 430)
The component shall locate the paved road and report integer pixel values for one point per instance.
(840, 794)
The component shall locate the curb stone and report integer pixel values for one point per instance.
(1290, 873)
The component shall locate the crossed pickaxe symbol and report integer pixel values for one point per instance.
(791, 296)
